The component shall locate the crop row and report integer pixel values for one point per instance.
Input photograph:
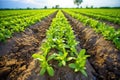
(6, 13)
(114, 20)
(9, 13)
(60, 46)
(103, 17)
(108, 32)
(15, 17)
(115, 13)
(18, 23)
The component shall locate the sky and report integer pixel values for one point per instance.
(61, 3)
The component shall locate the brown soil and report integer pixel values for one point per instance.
(15, 54)
(105, 58)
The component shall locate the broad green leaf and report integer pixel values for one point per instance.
(82, 63)
(50, 71)
(76, 70)
(42, 71)
(38, 56)
(72, 65)
(70, 58)
(60, 64)
(65, 54)
(64, 63)
(51, 57)
(82, 52)
(83, 72)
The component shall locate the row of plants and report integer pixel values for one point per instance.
(101, 17)
(8, 13)
(15, 17)
(115, 13)
(59, 48)
(11, 21)
(108, 32)
(18, 24)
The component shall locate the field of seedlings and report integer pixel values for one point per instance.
(60, 44)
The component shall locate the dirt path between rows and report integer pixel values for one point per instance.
(15, 54)
(105, 58)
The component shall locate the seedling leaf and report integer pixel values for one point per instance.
(50, 71)
(42, 71)
(83, 72)
(72, 65)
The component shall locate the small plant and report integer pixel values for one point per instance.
(44, 63)
(80, 61)
(61, 58)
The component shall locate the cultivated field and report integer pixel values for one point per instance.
(60, 44)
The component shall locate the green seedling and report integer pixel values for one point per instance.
(61, 58)
(44, 63)
(80, 61)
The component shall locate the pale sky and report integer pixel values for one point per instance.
(50, 3)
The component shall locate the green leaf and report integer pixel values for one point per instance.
(83, 72)
(76, 70)
(82, 63)
(82, 52)
(70, 58)
(60, 53)
(51, 57)
(38, 56)
(72, 65)
(64, 63)
(65, 54)
(50, 71)
(60, 64)
(42, 71)
(67, 46)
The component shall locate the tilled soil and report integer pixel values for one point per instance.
(105, 58)
(15, 53)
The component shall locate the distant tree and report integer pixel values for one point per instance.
(45, 7)
(87, 7)
(105, 7)
(78, 2)
(92, 6)
(52, 7)
(28, 8)
(56, 6)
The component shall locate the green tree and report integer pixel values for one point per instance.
(28, 8)
(45, 7)
(78, 2)
(56, 6)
